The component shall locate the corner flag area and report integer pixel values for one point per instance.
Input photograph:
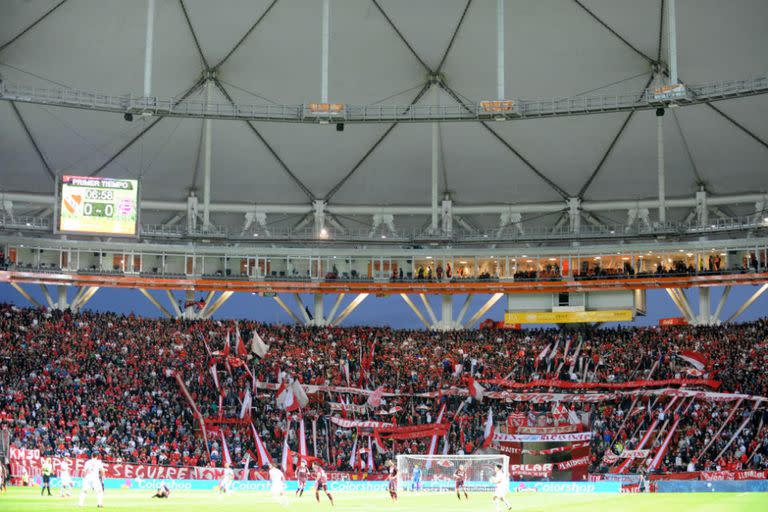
(29, 499)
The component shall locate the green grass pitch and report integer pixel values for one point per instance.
(29, 499)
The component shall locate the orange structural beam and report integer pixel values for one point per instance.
(379, 288)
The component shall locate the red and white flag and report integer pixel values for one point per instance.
(299, 394)
(371, 468)
(224, 449)
(559, 413)
(285, 459)
(433, 443)
(374, 399)
(696, 359)
(285, 399)
(240, 346)
(476, 391)
(261, 450)
(245, 409)
(354, 455)
(302, 439)
(488, 434)
(541, 356)
(258, 347)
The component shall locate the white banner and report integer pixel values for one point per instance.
(539, 438)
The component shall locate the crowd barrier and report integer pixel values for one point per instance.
(712, 486)
(344, 485)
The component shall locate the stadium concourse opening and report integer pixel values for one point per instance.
(278, 181)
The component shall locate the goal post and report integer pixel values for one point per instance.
(436, 472)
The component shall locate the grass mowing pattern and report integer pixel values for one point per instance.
(29, 499)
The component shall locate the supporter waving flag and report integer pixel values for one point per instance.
(488, 433)
(696, 359)
(258, 347)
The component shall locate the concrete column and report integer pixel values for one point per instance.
(446, 318)
(61, 292)
(575, 214)
(148, 47)
(661, 169)
(319, 318)
(704, 305)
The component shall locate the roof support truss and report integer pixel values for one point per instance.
(33, 25)
(32, 140)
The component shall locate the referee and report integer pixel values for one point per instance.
(47, 470)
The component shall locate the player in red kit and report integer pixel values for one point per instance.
(392, 479)
(302, 473)
(459, 476)
(321, 482)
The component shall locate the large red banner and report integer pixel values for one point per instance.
(566, 384)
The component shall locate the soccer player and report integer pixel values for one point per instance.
(459, 476)
(277, 478)
(47, 470)
(3, 477)
(163, 492)
(65, 490)
(392, 479)
(416, 483)
(321, 483)
(227, 479)
(502, 486)
(93, 479)
(302, 473)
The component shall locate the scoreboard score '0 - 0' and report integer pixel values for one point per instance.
(97, 206)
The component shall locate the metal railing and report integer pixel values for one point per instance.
(298, 113)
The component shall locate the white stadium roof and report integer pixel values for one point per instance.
(384, 52)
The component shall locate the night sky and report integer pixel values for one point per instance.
(390, 310)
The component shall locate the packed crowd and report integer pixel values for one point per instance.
(72, 383)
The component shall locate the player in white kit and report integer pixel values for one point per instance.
(66, 480)
(502, 486)
(226, 481)
(93, 480)
(277, 478)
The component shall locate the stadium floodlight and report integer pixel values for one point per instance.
(499, 109)
(326, 112)
(439, 472)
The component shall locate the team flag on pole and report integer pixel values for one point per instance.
(488, 429)
(258, 346)
(240, 346)
(433, 442)
(245, 409)
(696, 359)
(302, 439)
(261, 450)
(476, 391)
(225, 448)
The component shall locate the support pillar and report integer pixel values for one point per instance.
(208, 127)
(24, 294)
(189, 297)
(319, 215)
(174, 305)
(61, 297)
(192, 212)
(672, 40)
(288, 310)
(483, 310)
(148, 48)
(574, 205)
(435, 166)
(47, 296)
(302, 308)
(661, 169)
(335, 307)
(154, 301)
(319, 319)
(326, 35)
(748, 303)
(431, 313)
(500, 49)
(211, 309)
(721, 304)
(447, 215)
(464, 309)
(702, 212)
(446, 312)
(416, 311)
(350, 308)
(705, 317)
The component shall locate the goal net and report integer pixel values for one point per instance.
(437, 472)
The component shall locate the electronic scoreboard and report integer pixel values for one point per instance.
(97, 206)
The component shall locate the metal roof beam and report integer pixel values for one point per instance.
(453, 36)
(616, 34)
(402, 38)
(739, 125)
(245, 36)
(266, 144)
(33, 141)
(506, 144)
(194, 36)
(131, 142)
(375, 145)
(661, 31)
(30, 27)
(605, 156)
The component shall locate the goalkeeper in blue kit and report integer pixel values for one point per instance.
(416, 483)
